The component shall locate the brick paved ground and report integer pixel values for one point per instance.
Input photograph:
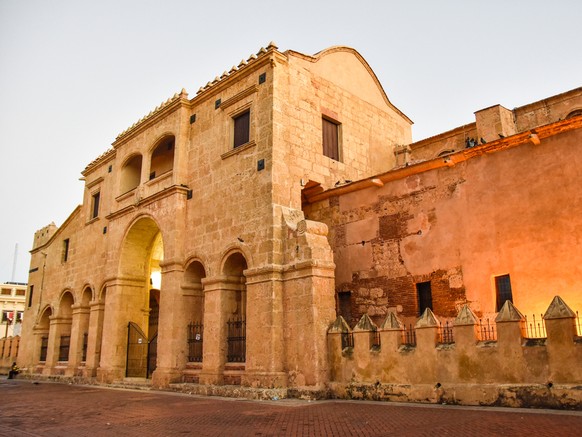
(50, 409)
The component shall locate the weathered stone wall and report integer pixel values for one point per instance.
(510, 370)
(336, 83)
(514, 211)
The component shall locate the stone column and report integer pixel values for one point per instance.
(127, 300)
(58, 326)
(172, 327)
(339, 370)
(564, 355)
(216, 309)
(264, 341)
(95, 330)
(510, 328)
(427, 331)
(79, 326)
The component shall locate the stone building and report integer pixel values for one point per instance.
(189, 258)
(12, 295)
(221, 234)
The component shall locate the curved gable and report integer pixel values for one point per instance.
(346, 68)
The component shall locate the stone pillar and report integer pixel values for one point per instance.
(339, 370)
(264, 342)
(38, 334)
(427, 331)
(391, 334)
(510, 328)
(172, 327)
(95, 331)
(58, 326)
(465, 328)
(79, 325)
(216, 312)
(564, 355)
(127, 301)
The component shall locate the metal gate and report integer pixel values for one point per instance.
(141, 352)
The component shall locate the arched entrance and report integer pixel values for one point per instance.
(140, 281)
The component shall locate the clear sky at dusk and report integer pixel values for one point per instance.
(75, 73)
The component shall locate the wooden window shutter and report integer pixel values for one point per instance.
(242, 125)
(330, 139)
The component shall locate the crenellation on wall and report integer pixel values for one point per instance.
(463, 371)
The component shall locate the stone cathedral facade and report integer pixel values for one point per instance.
(222, 234)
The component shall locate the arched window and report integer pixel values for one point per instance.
(574, 113)
(130, 174)
(162, 158)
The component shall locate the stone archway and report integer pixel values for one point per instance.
(129, 304)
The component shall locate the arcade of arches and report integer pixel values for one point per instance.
(173, 322)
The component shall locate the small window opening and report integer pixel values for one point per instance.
(242, 123)
(330, 132)
(502, 291)
(66, 243)
(424, 292)
(95, 205)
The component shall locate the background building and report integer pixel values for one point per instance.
(12, 300)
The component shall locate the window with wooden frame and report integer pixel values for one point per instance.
(95, 204)
(502, 291)
(331, 135)
(242, 128)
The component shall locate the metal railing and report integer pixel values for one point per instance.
(236, 339)
(347, 339)
(445, 335)
(409, 336)
(195, 342)
(535, 328)
(487, 330)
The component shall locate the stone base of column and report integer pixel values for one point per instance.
(211, 378)
(264, 379)
(108, 376)
(162, 378)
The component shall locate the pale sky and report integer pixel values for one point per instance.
(76, 73)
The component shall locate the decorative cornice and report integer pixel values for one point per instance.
(174, 189)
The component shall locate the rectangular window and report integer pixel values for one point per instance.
(242, 128)
(330, 130)
(424, 292)
(345, 305)
(30, 296)
(64, 346)
(65, 250)
(43, 348)
(6, 292)
(20, 292)
(95, 205)
(502, 291)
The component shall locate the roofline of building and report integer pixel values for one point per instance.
(533, 136)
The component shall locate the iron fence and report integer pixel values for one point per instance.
(347, 339)
(535, 328)
(375, 342)
(409, 336)
(195, 341)
(487, 331)
(236, 339)
(445, 335)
